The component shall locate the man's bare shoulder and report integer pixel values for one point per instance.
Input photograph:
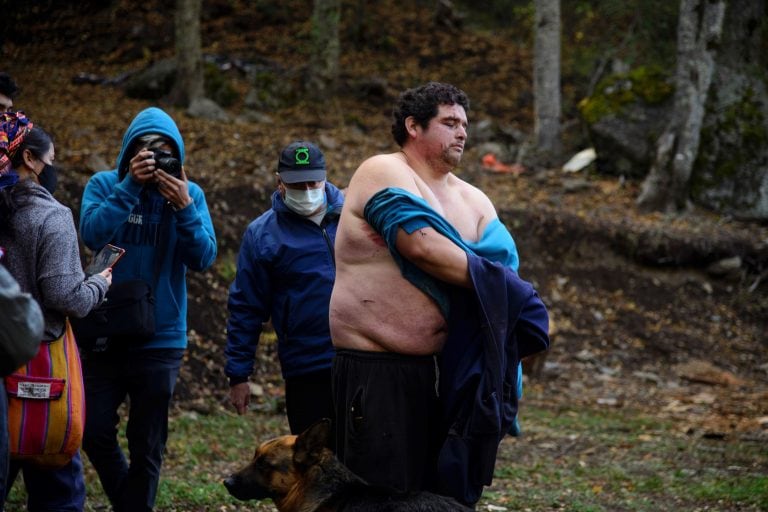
(384, 168)
(377, 173)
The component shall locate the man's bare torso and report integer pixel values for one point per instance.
(373, 307)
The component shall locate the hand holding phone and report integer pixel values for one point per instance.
(107, 274)
(104, 259)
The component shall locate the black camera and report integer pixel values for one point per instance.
(166, 161)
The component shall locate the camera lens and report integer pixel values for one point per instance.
(165, 160)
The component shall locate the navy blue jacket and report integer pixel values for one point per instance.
(491, 328)
(285, 272)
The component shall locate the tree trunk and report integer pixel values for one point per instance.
(731, 174)
(667, 186)
(324, 52)
(546, 76)
(189, 54)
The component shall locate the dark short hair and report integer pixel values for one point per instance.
(422, 103)
(8, 86)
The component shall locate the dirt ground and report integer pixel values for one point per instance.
(639, 315)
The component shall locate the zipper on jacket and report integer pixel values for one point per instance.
(330, 246)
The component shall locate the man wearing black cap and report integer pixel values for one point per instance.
(285, 271)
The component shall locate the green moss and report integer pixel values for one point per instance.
(746, 118)
(651, 84)
(731, 144)
(217, 87)
(648, 84)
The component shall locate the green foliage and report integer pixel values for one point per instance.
(271, 90)
(746, 118)
(515, 14)
(614, 459)
(751, 489)
(226, 266)
(637, 33)
(217, 87)
(649, 84)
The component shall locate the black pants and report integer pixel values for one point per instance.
(147, 379)
(308, 399)
(388, 428)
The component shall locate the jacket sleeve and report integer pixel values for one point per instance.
(249, 305)
(105, 207)
(532, 327)
(61, 280)
(194, 229)
(21, 325)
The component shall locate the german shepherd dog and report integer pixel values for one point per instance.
(301, 474)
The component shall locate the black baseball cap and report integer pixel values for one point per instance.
(301, 161)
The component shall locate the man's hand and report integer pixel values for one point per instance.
(174, 190)
(240, 397)
(142, 167)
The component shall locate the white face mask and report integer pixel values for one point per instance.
(305, 202)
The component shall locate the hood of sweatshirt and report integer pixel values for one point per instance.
(151, 120)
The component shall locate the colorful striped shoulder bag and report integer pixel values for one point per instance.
(46, 404)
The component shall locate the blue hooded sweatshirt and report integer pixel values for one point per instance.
(160, 243)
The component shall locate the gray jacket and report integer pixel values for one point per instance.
(44, 257)
(21, 324)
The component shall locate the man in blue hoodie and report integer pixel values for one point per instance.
(285, 271)
(162, 222)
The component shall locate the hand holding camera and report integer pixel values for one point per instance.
(171, 179)
(148, 160)
(142, 167)
(154, 165)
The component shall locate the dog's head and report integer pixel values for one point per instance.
(279, 467)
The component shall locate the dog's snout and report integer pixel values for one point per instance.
(229, 483)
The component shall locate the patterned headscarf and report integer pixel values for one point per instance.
(14, 126)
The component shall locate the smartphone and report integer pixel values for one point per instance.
(105, 258)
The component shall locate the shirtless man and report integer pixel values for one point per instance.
(386, 330)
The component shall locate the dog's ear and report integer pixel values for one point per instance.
(310, 444)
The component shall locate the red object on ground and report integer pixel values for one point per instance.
(491, 163)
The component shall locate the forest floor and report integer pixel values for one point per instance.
(641, 320)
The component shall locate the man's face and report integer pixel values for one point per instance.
(305, 198)
(6, 103)
(302, 185)
(446, 134)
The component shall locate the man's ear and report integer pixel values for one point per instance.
(411, 126)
